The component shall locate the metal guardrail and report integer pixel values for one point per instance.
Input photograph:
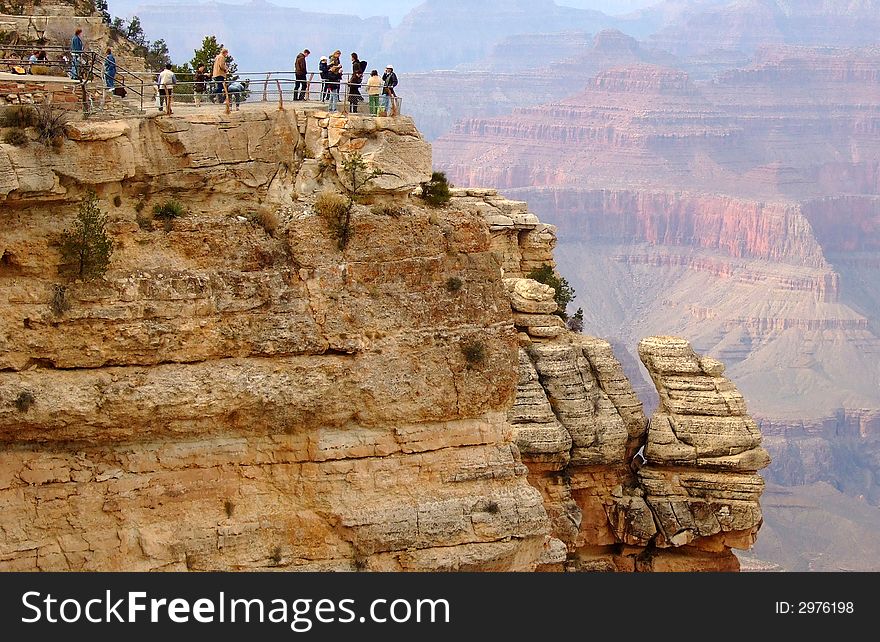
(274, 86)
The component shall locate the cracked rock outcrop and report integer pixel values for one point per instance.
(624, 494)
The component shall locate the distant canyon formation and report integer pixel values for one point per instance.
(742, 212)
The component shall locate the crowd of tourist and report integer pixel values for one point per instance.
(381, 95)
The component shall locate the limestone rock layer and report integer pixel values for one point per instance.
(239, 393)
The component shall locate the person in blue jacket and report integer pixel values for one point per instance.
(110, 70)
(76, 52)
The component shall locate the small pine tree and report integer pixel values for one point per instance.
(576, 323)
(102, 8)
(87, 245)
(157, 55)
(436, 191)
(355, 169)
(565, 294)
(205, 55)
(135, 33)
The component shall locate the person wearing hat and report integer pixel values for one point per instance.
(389, 80)
(324, 68)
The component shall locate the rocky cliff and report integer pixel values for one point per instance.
(238, 393)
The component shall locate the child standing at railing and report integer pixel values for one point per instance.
(200, 85)
(374, 90)
(334, 76)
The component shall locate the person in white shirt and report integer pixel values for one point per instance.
(167, 80)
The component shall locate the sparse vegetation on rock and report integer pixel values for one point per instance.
(25, 401)
(436, 191)
(16, 137)
(474, 353)
(60, 302)
(565, 294)
(19, 116)
(51, 126)
(167, 212)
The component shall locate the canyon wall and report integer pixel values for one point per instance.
(726, 25)
(739, 213)
(238, 393)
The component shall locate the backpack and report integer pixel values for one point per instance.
(363, 66)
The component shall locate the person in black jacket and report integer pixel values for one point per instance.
(299, 90)
(200, 85)
(334, 76)
(354, 88)
(324, 69)
(389, 78)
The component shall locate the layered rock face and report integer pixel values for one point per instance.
(226, 398)
(624, 495)
(237, 393)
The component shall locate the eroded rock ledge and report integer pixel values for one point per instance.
(235, 396)
(623, 494)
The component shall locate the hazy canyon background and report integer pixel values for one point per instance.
(714, 170)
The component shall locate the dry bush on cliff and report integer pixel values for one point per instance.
(15, 137)
(332, 207)
(265, 218)
(388, 209)
(60, 302)
(19, 116)
(51, 126)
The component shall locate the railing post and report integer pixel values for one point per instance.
(266, 87)
(280, 96)
(142, 95)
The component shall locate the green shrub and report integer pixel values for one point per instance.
(15, 137)
(19, 116)
(169, 210)
(51, 126)
(564, 292)
(474, 353)
(25, 401)
(436, 191)
(87, 245)
(454, 284)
